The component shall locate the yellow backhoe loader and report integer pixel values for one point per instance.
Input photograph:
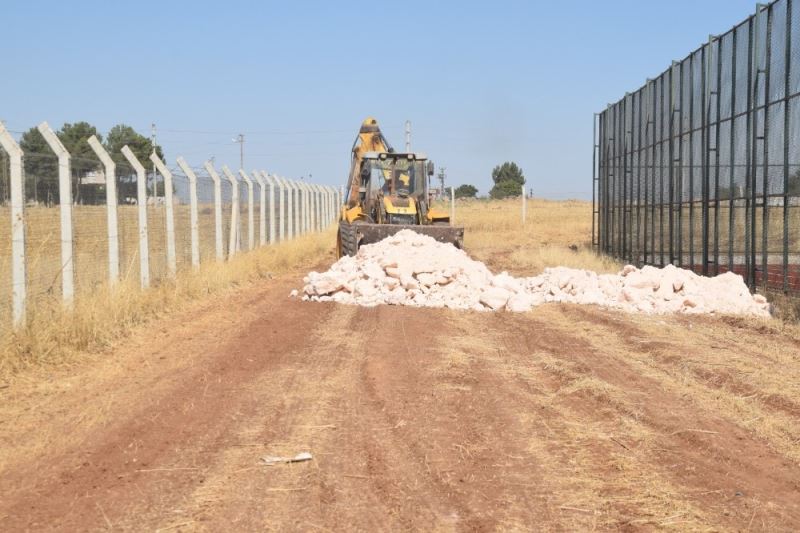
(389, 191)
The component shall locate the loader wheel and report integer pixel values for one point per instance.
(348, 241)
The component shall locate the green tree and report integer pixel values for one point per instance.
(41, 167)
(119, 136)
(466, 191)
(74, 138)
(508, 180)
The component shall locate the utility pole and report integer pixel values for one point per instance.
(408, 136)
(153, 142)
(240, 139)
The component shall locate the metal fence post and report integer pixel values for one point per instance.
(262, 209)
(218, 247)
(172, 266)
(195, 230)
(251, 236)
(141, 199)
(65, 204)
(110, 169)
(233, 241)
(18, 284)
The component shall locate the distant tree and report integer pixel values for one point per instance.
(508, 180)
(141, 146)
(74, 137)
(41, 167)
(466, 191)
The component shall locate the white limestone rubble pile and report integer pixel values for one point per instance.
(413, 269)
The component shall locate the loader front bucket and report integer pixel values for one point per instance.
(356, 235)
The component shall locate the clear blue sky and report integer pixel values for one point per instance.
(482, 82)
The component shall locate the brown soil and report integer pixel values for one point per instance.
(562, 419)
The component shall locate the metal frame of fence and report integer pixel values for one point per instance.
(311, 208)
(700, 167)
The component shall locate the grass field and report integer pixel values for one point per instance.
(555, 233)
(567, 418)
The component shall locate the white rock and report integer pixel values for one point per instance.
(495, 297)
(413, 269)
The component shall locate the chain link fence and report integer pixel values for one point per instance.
(700, 167)
(42, 255)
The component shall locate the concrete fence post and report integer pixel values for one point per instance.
(251, 235)
(110, 169)
(18, 283)
(524, 205)
(332, 202)
(334, 211)
(262, 208)
(65, 205)
(452, 205)
(309, 207)
(141, 200)
(193, 218)
(282, 206)
(300, 209)
(323, 191)
(172, 266)
(218, 238)
(271, 183)
(317, 208)
(233, 241)
(290, 220)
(302, 213)
(306, 196)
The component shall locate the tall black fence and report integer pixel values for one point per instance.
(700, 167)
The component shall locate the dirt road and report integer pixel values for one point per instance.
(565, 418)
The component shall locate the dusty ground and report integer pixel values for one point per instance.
(563, 419)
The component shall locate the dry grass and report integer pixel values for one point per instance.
(555, 233)
(56, 336)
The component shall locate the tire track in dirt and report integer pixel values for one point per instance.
(697, 450)
(144, 460)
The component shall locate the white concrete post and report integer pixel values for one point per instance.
(18, 283)
(302, 224)
(271, 183)
(298, 208)
(290, 221)
(195, 227)
(300, 213)
(317, 208)
(233, 241)
(333, 213)
(309, 206)
(219, 252)
(110, 168)
(306, 207)
(172, 266)
(65, 202)
(524, 205)
(141, 200)
(452, 205)
(262, 208)
(282, 207)
(251, 235)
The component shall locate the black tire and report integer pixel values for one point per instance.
(348, 240)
